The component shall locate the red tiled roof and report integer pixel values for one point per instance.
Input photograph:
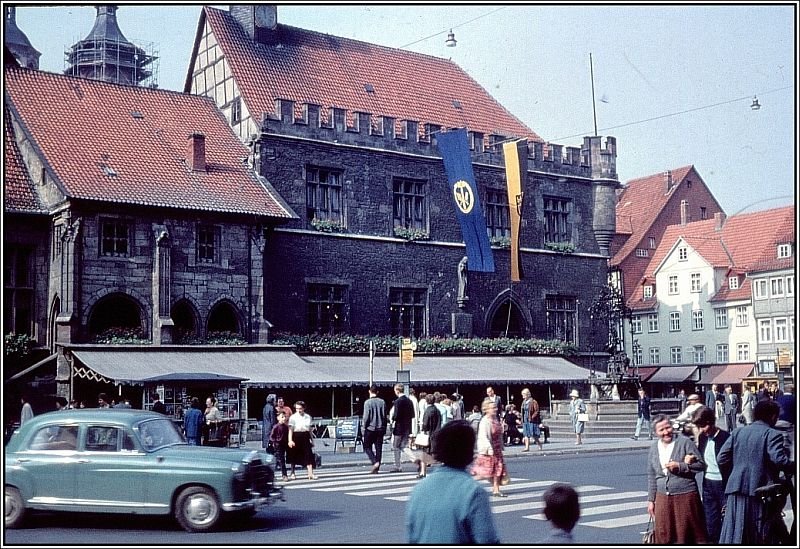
(744, 238)
(20, 195)
(317, 68)
(638, 206)
(743, 292)
(85, 127)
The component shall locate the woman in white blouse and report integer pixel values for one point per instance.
(301, 447)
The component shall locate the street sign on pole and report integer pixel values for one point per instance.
(371, 361)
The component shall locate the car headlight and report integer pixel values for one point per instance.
(239, 471)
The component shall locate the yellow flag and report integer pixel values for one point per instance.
(516, 156)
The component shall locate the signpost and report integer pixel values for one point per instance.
(407, 348)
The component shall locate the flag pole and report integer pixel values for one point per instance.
(594, 105)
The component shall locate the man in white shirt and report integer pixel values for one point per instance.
(693, 404)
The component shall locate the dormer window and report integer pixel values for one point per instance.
(641, 252)
(733, 282)
(683, 253)
(648, 292)
(784, 250)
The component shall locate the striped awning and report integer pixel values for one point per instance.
(726, 374)
(667, 374)
(258, 366)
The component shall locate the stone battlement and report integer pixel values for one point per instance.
(594, 159)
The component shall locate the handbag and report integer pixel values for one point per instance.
(422, 439)
(506, 479)
(649, 536)
(583, 417)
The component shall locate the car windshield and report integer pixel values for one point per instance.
(157, 433)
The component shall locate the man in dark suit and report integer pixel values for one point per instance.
(712, 395)
(730, 407)
(374, 425)
(403, 416)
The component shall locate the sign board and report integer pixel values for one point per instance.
(348, 428)
(407, 356)
(784, 357)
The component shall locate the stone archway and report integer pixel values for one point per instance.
(116, 315)
(186, 322)
(507, 318)
(224, 318)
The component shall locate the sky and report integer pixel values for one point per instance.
(673, 83)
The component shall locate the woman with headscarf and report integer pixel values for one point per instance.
(576, 406)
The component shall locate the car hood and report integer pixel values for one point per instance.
(211, 453)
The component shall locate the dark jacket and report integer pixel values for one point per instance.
(643, 408)
(160, 407)
(719, 440)
(756, 454)
(193, 422)
(374, 417)
(431, 421)
(403, 416)
(279, 436)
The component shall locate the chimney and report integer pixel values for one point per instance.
(196, 152)
(684, 212)
(668, 179)
(719, 220)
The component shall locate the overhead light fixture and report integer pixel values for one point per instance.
(755, 105)
(451, 40)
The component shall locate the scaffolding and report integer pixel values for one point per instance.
(117, 61)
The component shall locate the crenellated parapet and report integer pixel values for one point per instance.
(595, 159)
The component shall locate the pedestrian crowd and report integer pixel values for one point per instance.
(744, 448)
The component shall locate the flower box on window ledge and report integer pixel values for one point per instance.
(500, 241)
(411, 234)
(327, 225)
(560, 247)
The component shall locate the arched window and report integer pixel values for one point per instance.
(116, 316)
(223, 319)
(184, 316)
(504, 324)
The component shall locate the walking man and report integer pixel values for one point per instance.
(710, 442)
(403, 416)
(374, 422)
(731, 405)
(642, 415)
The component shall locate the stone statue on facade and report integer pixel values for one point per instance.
(462, 283)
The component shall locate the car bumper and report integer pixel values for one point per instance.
(257, 500)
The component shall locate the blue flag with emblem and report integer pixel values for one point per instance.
(458, 165)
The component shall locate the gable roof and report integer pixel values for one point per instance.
(20, 196)
(128, 144)
(744, 239)
(317, 68)
(639, 204)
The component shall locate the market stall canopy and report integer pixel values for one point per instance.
(667, 374)
(192, 376)
(265, 366)
(645, 372)
(726, 374)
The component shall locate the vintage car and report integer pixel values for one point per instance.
(130, 461)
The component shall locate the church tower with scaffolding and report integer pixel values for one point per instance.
(105, 54)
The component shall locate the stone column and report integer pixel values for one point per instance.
(162, 278)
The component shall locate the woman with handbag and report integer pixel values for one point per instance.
(489, 462)
(673, 501)
(431, 421)
(576, 407)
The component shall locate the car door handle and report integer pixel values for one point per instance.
(84, 461)
(23, 460)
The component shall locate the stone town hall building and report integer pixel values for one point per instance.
(137, 208)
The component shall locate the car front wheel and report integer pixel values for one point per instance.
(14, 507)
(197, 509)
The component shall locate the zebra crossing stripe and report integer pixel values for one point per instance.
(618, 522)
(529, 506)
(601, 510)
